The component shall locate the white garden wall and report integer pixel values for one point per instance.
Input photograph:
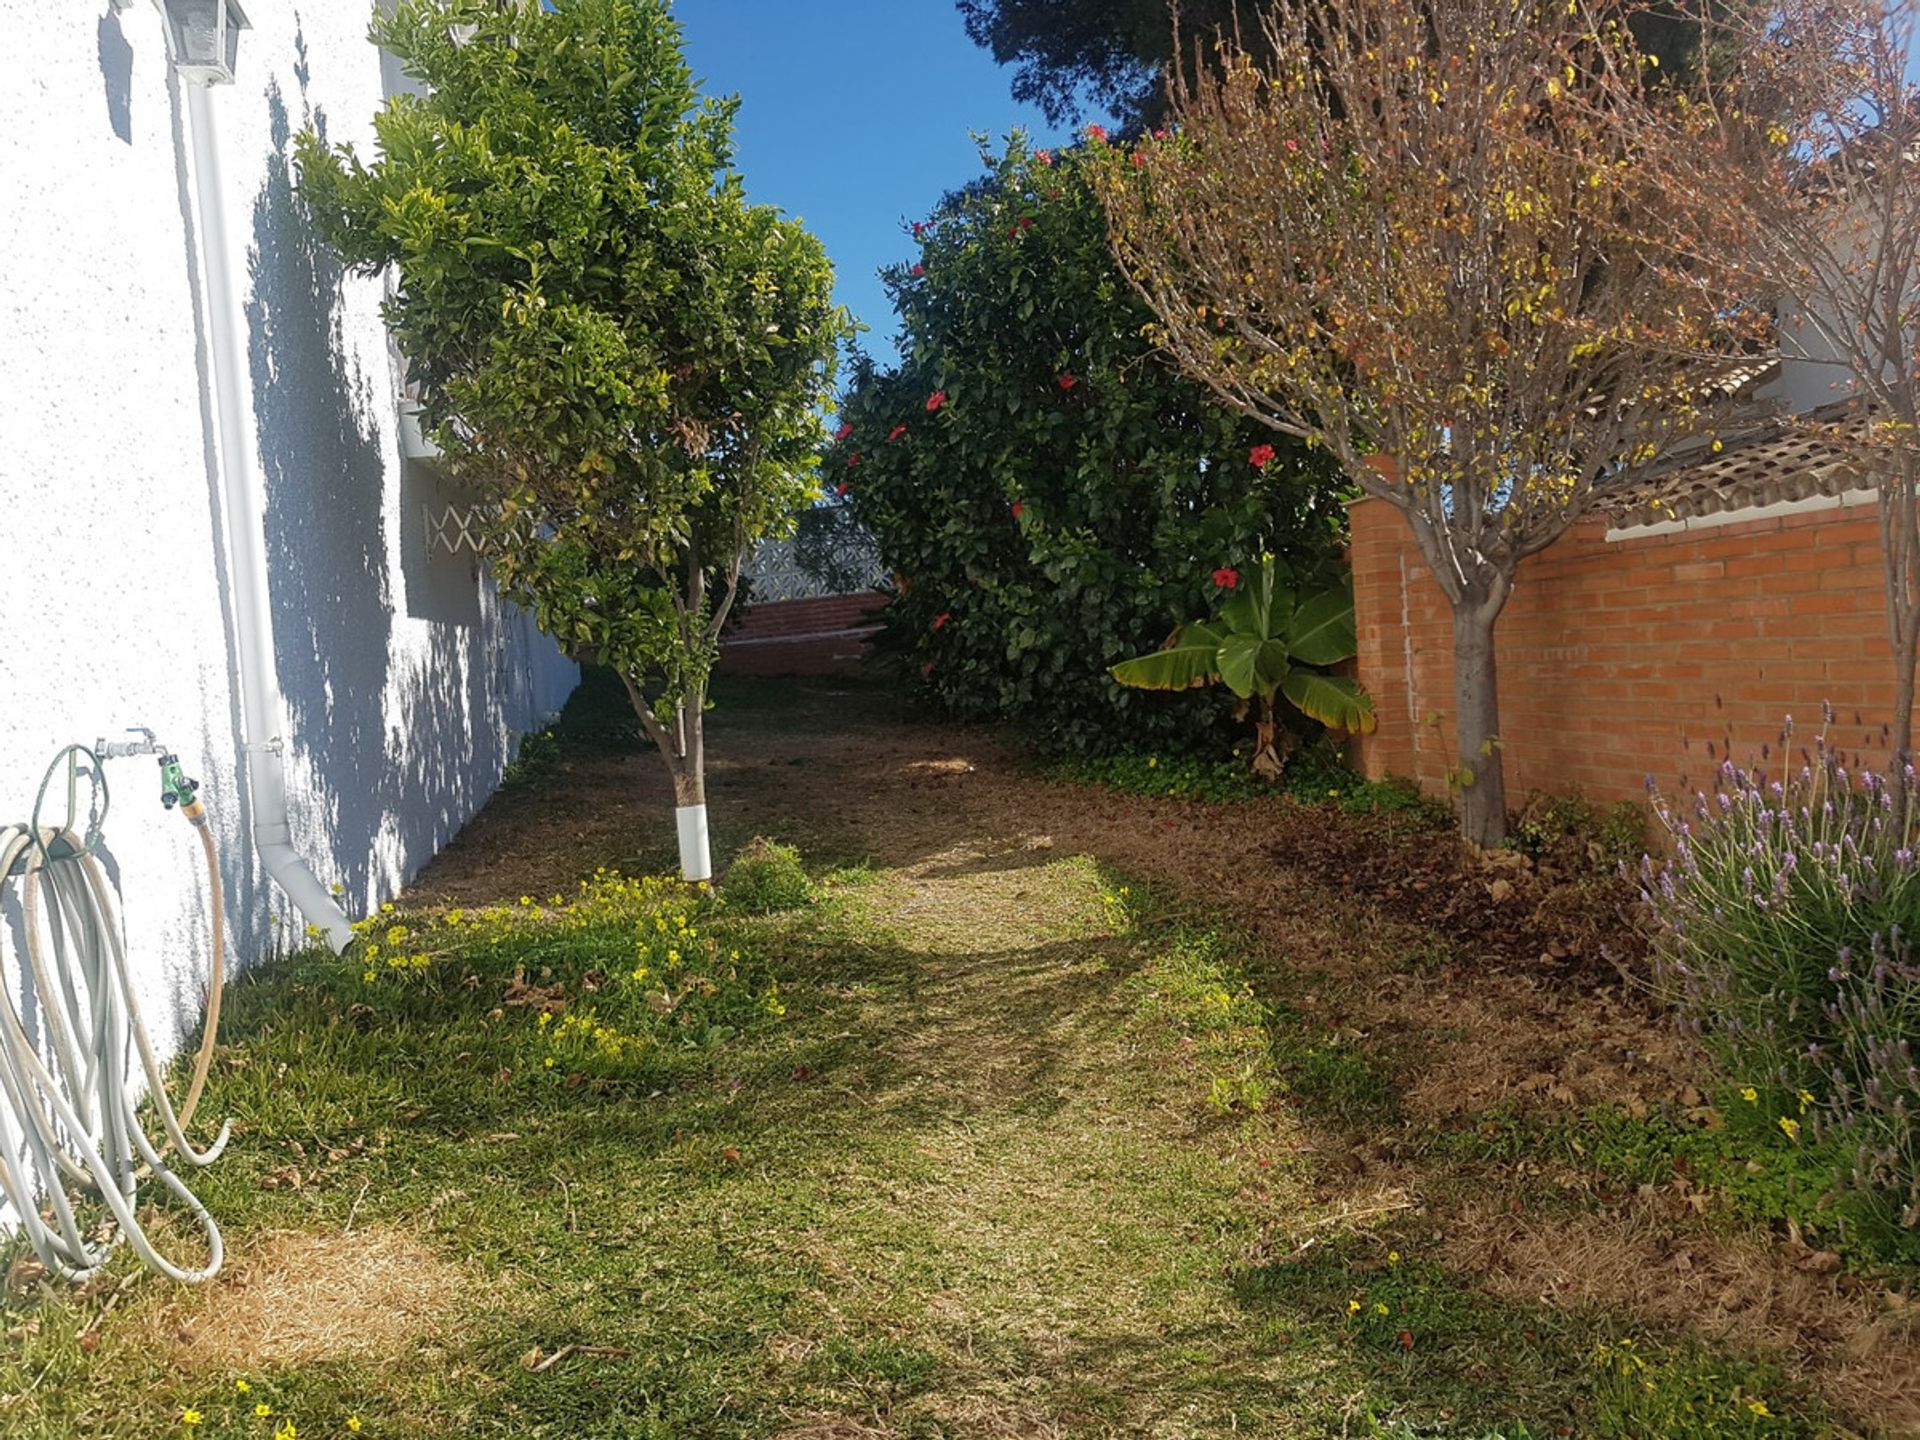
(406, 679)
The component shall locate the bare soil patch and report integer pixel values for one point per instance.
(293, 1298)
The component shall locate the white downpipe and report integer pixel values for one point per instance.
(696, 856)
(260, 700)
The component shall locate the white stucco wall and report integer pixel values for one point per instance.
(406, 680)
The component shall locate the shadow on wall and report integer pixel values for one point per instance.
(116, 70)
(325, 474)
(398, 767)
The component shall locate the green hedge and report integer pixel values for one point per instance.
(1051, 496)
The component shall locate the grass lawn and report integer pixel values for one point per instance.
(984, 1141)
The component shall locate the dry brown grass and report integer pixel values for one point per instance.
(292, 1298)
(1859, 1344)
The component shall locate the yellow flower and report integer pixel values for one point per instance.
(1153, 762)
(1393, 1257)
(263, 1409)
(368, 976)
(190, 1418)
(353, 1423)
(1750, 1095)
(1379, 1308)
(1353, 1307)
(242, 1386)
(1806, 1099)
(549, 1062)
(286, 1432)
(1759, 1407)
(1792, 1127)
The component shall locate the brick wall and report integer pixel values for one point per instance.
(1621, 659)
(802, 637)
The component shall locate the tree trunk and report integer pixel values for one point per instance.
(690, 788)
(1270, 744)
(1905, 642)
(1900, 543)
(690, 781)
(1479, 780)
(682, 746)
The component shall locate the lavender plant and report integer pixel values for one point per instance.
(1782, 918)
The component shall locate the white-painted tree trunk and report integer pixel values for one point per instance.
(696, 855)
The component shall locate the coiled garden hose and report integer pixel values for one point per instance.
(77, 1111)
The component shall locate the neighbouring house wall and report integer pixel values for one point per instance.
(406, 680)
(830, 635)
(1624, 658)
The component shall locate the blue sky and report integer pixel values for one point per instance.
(855, 117)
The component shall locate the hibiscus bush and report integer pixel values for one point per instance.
(1051, 497)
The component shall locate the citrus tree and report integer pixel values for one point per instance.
(1267, 642)
(1050, 493)
(623, 357)
(1398, 233)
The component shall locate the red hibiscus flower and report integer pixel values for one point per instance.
(843, 432)
(1260, 456)
(1067, 382)
(919, 228)
(1026, 222)
(853, 460)
(918, 271)
(939, 398)
(1293, 147)
(841, 489)
(1097, 134)
(1139, 159)
(1045, 157)
(1227, 578)
(898, 431)
(1019, 508)
(1160, 134)
(940, 620)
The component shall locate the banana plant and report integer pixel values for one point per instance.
(1266, 642)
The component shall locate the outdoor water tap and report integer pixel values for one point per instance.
(148, 744)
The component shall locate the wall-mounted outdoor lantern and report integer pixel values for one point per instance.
(204, 38)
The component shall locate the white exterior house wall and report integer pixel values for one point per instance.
(406, 679)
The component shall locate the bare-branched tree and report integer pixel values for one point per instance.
(1406, 237)
(1800, 145)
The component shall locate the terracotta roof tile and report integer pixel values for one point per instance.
(1769, 462)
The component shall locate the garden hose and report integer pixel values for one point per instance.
(77, 1109)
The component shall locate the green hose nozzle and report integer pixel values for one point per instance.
(177, 789)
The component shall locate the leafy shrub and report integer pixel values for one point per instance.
(1782, 922)
(1051, 496)
(1320, 775)
(1573, 831)
(538, 757)
(1267, 642)
(1185, 777)
(766, 877)
(1317, 775)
